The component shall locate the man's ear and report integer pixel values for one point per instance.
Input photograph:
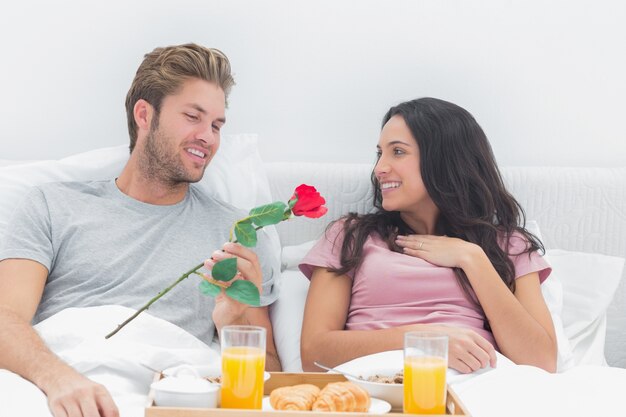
(143, 113)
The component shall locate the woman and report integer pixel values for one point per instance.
(444, 251)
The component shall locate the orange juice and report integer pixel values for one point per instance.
(424, 385)
(242, 377)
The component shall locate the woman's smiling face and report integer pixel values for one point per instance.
(398, 169)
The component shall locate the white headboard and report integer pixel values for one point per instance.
(578, 209)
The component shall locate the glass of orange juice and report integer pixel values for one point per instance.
(243, 364)
(425, 365)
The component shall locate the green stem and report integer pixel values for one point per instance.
(161, 294)
(152, 301)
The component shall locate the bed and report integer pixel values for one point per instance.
(580, 214)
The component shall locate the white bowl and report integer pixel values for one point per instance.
(185, 389)
(392, 393)
(384, 363)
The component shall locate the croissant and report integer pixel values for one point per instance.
(296, 397)
(342, 396)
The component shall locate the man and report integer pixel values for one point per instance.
(121, 241)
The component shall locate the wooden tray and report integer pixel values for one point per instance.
(279, 379)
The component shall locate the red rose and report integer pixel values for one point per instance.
(308, 202)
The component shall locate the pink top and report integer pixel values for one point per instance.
(392, 289)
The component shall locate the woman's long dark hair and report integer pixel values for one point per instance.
(459, 172)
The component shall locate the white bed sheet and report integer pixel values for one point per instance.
(517, 390)
(77, 336)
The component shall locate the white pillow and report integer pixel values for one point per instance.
(286, 314)
(552, 291)
(15, 180)
(589, 281)
(235, 175)
(291, 256)
(579, 309)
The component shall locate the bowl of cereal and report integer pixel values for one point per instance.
(379, 374)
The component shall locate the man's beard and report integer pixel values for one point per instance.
(161, 163)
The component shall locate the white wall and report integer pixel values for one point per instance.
(546, 79)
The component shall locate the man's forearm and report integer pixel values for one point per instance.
(25, 353)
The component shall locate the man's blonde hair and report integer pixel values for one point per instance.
(164, 70)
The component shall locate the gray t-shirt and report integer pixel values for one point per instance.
(102, 247)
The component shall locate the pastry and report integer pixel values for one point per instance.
(295, 397)
(342, 396)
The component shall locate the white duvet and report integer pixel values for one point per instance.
(77, 336)
(517, 390)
